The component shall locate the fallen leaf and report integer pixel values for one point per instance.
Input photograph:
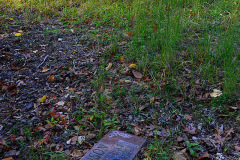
(45, 69)
(219, 139)
(20, 31)
(142, 108)
(205, 155)
(121, 59)
(219, 130)
(179, 99)
(81, 139)
(190, 130)
(228, 133)
(152, 99)
(137, 131)
(60, 103)
(237, 147)
(215, 93)
(9, 158)
(180, 139)
(69, 141)
(91, 136)
(109, 66)
(76, 153)
(188, 117)
(51, 78)
(39, 128)
(74, 140)
(43, 99)
(137, 74)
(132, 66)
(35, 51)
(129, 33)
(180, 155)
(18, 34)
(164, 132)
(127, 81)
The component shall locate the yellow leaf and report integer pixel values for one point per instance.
(216, 93)
(132, 66)
(18, 34)
(35, 51)
(11, 19)
(121, 58)
(43, 99)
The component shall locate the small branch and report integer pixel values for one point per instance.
(43, 61)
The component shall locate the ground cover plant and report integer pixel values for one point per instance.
(165, 70)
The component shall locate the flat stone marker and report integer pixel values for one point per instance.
(115, 145)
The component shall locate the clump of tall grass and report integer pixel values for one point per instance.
(168, 35)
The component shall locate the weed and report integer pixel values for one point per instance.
(193, 148)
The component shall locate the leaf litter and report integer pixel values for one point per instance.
(49, 93)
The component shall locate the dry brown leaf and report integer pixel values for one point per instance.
(219, 139)
(39, 128)
(228, 133)
(180, 155)
(74, 140)
(205, 155)
(219, 130)
(179, 99)
(137, 74)
(51, 78)
(237, 147)
(9, 158)
(129, 33)
(45, 69)
(164, 132)
(137, 130)
(188, 117)
(180, 139)
(152, 99)
(76, 153)
(190, 130)
(91, 136)
(142, 108)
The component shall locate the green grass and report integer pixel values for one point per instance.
(165, 38)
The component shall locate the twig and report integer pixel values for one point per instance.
(43, 61)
